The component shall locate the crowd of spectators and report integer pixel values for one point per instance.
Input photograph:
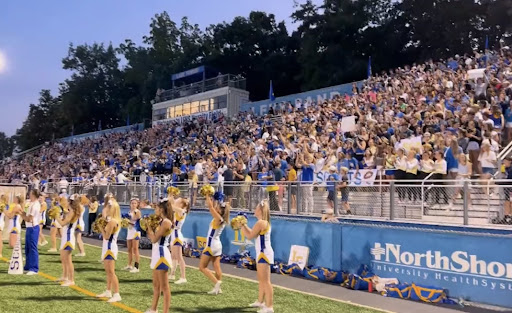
(463, 123)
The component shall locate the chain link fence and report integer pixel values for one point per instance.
(463, 202)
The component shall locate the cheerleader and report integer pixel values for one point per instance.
(265, 256)
(69, 223)
(5, 207)
(161, 256)
(213, 250)
(112, 213)
(181, 209)
(80, 226)
(13, 214)
(133, 236)
(42, 222)
(55, 228)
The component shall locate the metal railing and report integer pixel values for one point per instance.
(461, 202)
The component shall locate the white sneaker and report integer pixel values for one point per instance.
(134, 270)
(30, 273)
(264, 309)
(68, 283)
(127, 268)
(115, 298)
(216, 290)
(80, 255)
(52, 250)
(106, 294)
(172, 277)
(180, 281)
(62, 279)
(150, 311)
(44, 243)
(256, 305)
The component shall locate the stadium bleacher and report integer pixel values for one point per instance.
(461, 106)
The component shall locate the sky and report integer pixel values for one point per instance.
(35, 35)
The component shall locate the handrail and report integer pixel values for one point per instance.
(504, 152)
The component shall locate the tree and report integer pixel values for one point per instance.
(6, 146)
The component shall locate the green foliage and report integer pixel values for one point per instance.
(330, 45)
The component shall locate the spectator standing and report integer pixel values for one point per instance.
(305, 163)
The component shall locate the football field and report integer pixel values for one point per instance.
(21, 293)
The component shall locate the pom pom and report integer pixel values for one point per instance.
(207, 190)
(242, 214)
(218, 196)
(99, 225)
(2, 207)
(238, 222)
(54, 212)
(173, 191)
(125, 223)
(152, 221)
(126, 215)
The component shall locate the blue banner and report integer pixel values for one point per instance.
(312, 97)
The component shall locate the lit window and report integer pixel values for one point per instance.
(178, 111)
(205, 106)
(186, 109)
(194, 107)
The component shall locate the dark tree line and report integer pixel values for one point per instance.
(331, 45)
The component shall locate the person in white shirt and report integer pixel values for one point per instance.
(199, 169)
(31, 219)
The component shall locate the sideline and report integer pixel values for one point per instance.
(86, 292)
(275, 286)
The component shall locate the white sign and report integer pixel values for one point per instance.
(348, 124)
(355, 178)
(475, 74)
(16, 264)
(414, 142)
(299, 255)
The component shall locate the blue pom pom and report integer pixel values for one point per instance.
(242, 214)
(218, 196)
(126, 215)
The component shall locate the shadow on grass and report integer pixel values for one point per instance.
(186, 292)
(212, 310)
(57, 298)
(74, 261)
(25, 283)
(121, 281)
(89, 269)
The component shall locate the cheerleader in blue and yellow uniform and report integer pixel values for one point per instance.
(4, 206)
(42, 222)
(133, 236)
(161, 256)
(69, 223)
(56, 228)
(213, 250)
(80, 226)
(181, 209)
(13, 214)
(265, 256)
(112, 213)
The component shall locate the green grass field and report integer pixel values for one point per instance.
(21, 293)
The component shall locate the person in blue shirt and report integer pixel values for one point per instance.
(508, 121)
(331, 186)
(306, 181)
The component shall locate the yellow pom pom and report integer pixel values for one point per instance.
(207, 190)
(2, 208)
(54, 212)
(99, 225)
(173, 191)
(238, 222)
(125, 223)
(144, 223)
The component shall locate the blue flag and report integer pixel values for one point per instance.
(369, 66)
(128, 120)
(99, 125)
(72, 130)
(271, 92)
(486, 49)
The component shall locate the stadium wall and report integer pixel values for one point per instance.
(313, 97)
(471, 263)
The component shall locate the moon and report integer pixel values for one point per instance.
(3, 62)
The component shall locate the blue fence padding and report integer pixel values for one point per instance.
(474, 264)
